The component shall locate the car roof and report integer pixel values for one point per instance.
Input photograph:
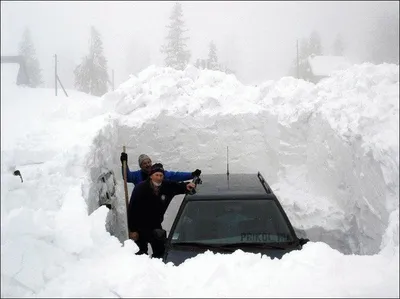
(238, 185)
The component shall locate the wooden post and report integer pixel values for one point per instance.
(55, 72)
(62, 86)
(126, 190)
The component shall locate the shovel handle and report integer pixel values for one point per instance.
(125, 188)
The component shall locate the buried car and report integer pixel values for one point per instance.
(230, 212)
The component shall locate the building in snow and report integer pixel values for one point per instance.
(22, 76)
(320, 67)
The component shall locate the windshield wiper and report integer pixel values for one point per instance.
(203, 245)
(256, 245)
(234, 246)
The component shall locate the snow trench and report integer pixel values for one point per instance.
(332, 190)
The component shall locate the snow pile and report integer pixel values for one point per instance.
(347, 137)
(311, 142)
(44, 220)
(173, 115)
(312, 272)
(182, 93)
(325, 148)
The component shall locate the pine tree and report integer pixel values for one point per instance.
(32, 66)
(212, 57)
(177, 56)
(338, 46)
(314, 44)
(82, 76)
(91, 75)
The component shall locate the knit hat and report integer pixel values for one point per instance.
(158, 167)
(141, 158)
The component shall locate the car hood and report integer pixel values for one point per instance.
(177, 255)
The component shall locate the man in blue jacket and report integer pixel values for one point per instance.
(146, 211)
(143, 173)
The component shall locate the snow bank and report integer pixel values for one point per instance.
(310, 273)
(44, 219)
(325, 149)
(316, 144)
(342, 137)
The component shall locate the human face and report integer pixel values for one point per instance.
(146, 165)
(157, 177)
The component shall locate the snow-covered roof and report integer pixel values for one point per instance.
(325, 65)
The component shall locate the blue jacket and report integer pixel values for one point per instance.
(138, 176)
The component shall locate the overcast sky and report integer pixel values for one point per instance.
(257, 39)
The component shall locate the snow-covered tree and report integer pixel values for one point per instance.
(314, 44)
(212, 57)
(175, 49)
(32, 66)
(91, 75)
(338, 46)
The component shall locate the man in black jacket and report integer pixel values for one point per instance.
(150, 200)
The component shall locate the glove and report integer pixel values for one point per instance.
(197, 172)
(134, 236)
(124, 157)
(160, 234)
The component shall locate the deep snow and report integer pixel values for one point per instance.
(330, 152)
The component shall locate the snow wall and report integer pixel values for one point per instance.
(328, 150)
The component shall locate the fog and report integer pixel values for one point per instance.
(256, 39)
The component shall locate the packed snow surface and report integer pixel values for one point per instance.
(330, 152)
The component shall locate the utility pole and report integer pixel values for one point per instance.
(56, 78)
(55, 72)
(297, 56)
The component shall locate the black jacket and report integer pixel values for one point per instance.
(146, 209)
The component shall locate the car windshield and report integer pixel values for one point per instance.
(231, 221)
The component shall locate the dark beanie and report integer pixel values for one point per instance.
(157, 167)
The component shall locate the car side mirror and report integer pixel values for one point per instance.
(18, 173)
(303, 241)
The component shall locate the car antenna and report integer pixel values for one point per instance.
(227, 165)
(227, 162)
